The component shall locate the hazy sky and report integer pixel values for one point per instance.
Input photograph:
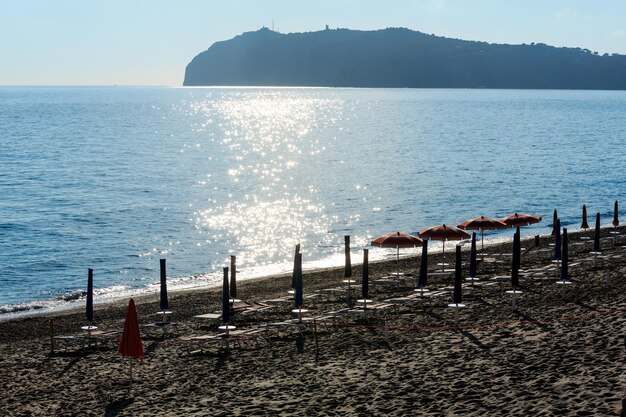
(149, 42)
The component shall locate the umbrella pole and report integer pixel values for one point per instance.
(131, 376)
(443, 257)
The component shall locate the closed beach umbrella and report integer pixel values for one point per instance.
(519, 219)
(557, 241)
(130, 343)
(615, 214)
(457, 297)
(556, 228)
(293, 275)
(564, 257)
(423, 276)
(233, 276)
(89, 303)
(596, 237)
(397, 240)
(555, 216)
(225, 298)
(366, 274)
(298, 289)
(584, 225)
(472, 265)
(347, 273)
(163, 303)
(515, 262)
(482, 223)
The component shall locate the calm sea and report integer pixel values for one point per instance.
(116, 178)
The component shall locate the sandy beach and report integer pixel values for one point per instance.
(560, 353)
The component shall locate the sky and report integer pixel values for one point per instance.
(149, 42)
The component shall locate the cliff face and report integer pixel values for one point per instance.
(398, 58)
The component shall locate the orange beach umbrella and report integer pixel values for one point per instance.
(397, 240)
(482, 223)
(518, 219)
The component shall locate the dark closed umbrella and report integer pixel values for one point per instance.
(472, 265)
(423, 276)
(89, 303)
(163, 302)
(615, 214)
(366, 274)
(557, 240)
(584, 225)
(564, 257)
(596, 237)
(347, 273)
(458, 276)
(293, 275)
(233, 276)
(225, 298)
(298, 288)
(515, 262)
(555, 217)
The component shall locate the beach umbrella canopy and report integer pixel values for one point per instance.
(225, 298)
(444, 233)
(557, 241)
(518, 219)
(584, 224)
(366, 274)
(457, 297)
(233, 276)
(397, 240)
(615, 214)
(515, 260)
(293, 275)
(423, 275)
(163, 303)
(482, 223)
(347, 272)
(472, 265)
(89, 304)
(596, 236)
(564, 257)
(130, 343)
(298, 288)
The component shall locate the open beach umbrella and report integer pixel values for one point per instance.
(472, 265)
(89, 304)
(347, 273)
(482, 223)
(293, 275)
(557, 241)
(584, 225)
(596, 236)
(130, 342)
(423, 275)
(519, 219)
(564, 257)
(298, 288)
(457, 297)
(366, 274)
(233, 276)
(443, 233)
(555, 216)
(225, 298)
(397, 240)
(163, 302)
(615, 214)
(515, 260)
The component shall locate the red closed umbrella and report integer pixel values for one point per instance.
(517, 219)
(130, 343)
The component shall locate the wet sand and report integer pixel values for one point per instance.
(561, 353)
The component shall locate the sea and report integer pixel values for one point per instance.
(116, 178)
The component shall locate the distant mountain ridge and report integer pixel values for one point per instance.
(397, 57)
